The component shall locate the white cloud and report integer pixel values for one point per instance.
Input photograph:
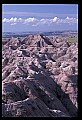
(30, 20)
(5, 20)
(11, 20)
(55, 19)
(15, 19)
(43, 21)
(20, 20)
(35, 22)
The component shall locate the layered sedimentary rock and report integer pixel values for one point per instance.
(39, 77)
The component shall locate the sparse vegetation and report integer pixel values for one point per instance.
(70, 38)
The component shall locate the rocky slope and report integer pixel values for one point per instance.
(39, 77)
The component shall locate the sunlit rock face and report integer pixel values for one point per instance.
(39, 77)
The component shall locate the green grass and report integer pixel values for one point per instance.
(70, 38)
(5, 39)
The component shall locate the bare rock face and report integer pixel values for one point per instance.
(39, 77)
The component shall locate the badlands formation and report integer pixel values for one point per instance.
(39, 77)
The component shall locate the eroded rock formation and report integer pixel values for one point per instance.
(39, 77)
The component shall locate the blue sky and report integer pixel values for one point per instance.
(39, 17)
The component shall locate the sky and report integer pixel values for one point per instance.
(39, 17)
